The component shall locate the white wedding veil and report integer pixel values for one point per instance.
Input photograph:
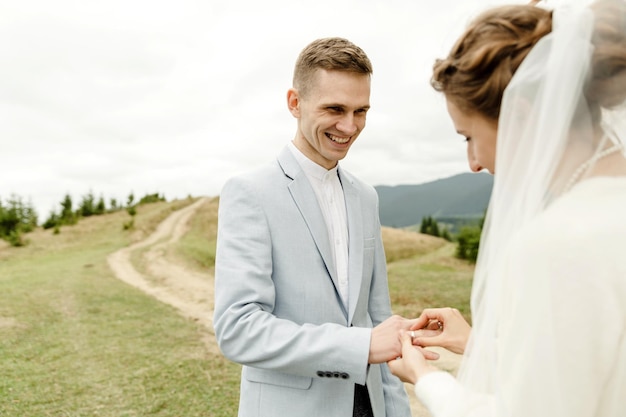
(552, 121)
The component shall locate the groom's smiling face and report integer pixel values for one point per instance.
(331, 115)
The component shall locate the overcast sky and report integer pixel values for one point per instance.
(174, 97)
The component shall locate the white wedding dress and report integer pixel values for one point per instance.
(577, 246)
(549, 291)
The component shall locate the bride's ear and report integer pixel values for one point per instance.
(523, 115)
(293, 102)
(523, 110)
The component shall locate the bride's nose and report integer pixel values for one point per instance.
(471, 159)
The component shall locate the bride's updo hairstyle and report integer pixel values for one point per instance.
(483, 61)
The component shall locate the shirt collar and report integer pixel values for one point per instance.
(310, 168)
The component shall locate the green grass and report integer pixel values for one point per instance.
(433, 280)
(198, 244)
(75, 341)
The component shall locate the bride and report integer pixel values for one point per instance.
(548, 87)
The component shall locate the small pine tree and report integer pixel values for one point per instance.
(67, 215)
(16, 218)
(29, 218)
(130, 200)
(429, 226)
(132, 210)
(469, 240)
(425, 224)
(100, 206)
(434, 228)
(468, 243)
(113, 205)
(87, 205)
(53, 220)
(9, 219)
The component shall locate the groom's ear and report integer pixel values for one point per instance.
(293, 102)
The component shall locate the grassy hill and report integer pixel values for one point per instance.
(75, 341)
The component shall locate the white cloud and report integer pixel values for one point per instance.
(175, 97)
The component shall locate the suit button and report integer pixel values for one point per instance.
(328, 374)
(344, 375)
(336, 374)
(320, 374)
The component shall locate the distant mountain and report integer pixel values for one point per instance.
(462, 196)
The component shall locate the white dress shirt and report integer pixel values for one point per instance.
(329, 192)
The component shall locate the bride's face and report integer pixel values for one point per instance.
(480, 134)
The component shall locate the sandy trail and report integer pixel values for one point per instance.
(192, 292)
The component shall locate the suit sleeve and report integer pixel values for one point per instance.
(246, 329)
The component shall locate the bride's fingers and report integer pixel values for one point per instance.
(434, 325)
(432, 318)
(408, 343)
(429, 354)
(407, 337)
(418, 334)
(428, 341)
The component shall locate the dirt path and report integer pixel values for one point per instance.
(192, 292)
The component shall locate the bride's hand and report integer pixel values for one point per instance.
(443, 327)
(412, 365)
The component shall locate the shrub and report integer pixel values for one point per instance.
(16, 218)
(468, 243)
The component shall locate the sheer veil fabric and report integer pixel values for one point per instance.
(547, 130)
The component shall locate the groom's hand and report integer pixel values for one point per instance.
(412, 365)
(385, 344)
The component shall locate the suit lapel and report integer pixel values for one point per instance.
(304, 197)
(355, 238)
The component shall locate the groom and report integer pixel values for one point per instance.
(301, 297)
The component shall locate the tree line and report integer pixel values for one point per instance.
(468, 238)
(18, 217)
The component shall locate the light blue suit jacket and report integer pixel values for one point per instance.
(277, 306)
